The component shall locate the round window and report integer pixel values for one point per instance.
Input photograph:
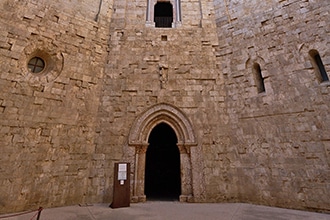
(36, 65)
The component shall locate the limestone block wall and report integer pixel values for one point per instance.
(278, 147)
(148, 66)
(62, 129)
(47, 119)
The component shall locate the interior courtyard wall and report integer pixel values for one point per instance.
(148, 66)
(48, 120)
(64, 130)
(278, 152)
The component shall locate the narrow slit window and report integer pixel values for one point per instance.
(259, 78)
(163, 14)
(318, 66)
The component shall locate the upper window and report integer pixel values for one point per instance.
(321, 73)
(163, 14)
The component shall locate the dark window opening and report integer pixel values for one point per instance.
(36, 65)
(322, 74)
(259, 79)
(163, 14)
(162, 172)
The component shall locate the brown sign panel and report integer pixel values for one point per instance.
(121, 186)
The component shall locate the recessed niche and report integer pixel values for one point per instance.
(40, 62)
(317, 63)
(41, 65)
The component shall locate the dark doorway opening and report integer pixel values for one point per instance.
(163, 14)
(162, 173)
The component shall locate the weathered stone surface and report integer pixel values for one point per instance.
(48, 121)
(274, 135)
(111, 76)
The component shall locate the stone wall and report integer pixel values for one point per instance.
(48, 119)
(148, 66)
(63, 129)
(278, 148)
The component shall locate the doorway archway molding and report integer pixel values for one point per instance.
(138, 138)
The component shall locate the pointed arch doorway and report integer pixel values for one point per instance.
(176, 123)
(162, 172)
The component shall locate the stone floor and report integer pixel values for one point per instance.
(173, 211)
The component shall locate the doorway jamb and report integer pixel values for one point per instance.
(140, 163)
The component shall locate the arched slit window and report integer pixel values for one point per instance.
(321, 73)
(163, 14)
(259, 79)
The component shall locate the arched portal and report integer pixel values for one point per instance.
(162, 172)
(145, 129)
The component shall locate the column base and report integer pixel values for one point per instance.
(136, 199)
(150, 24)
(186, 198)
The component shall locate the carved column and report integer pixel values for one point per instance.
(140, 161)
(150, 13)
(178, 11)
(186, 184)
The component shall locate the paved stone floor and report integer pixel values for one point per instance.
(174, 211)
